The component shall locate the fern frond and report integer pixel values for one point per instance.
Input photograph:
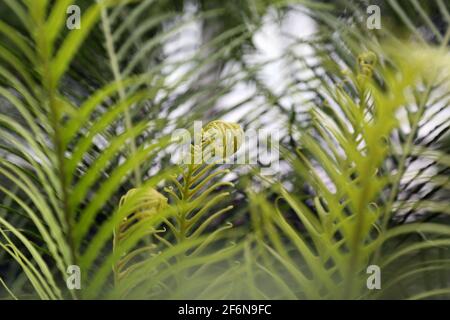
(194, 193)
(142, 207)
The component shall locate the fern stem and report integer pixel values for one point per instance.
(7, 289)
(62, 170)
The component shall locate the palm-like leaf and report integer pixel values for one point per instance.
(87, 115)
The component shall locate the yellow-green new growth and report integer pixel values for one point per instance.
(219, 141)
(366, 64)
(147, 204)
(230, 134)
(142, 205)
(195, 192)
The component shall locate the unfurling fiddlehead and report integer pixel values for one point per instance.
(141, 207)
(193, 196)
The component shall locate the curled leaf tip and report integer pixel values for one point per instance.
(225, 137)
(366, 63)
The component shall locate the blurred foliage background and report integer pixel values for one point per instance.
(87, 178)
